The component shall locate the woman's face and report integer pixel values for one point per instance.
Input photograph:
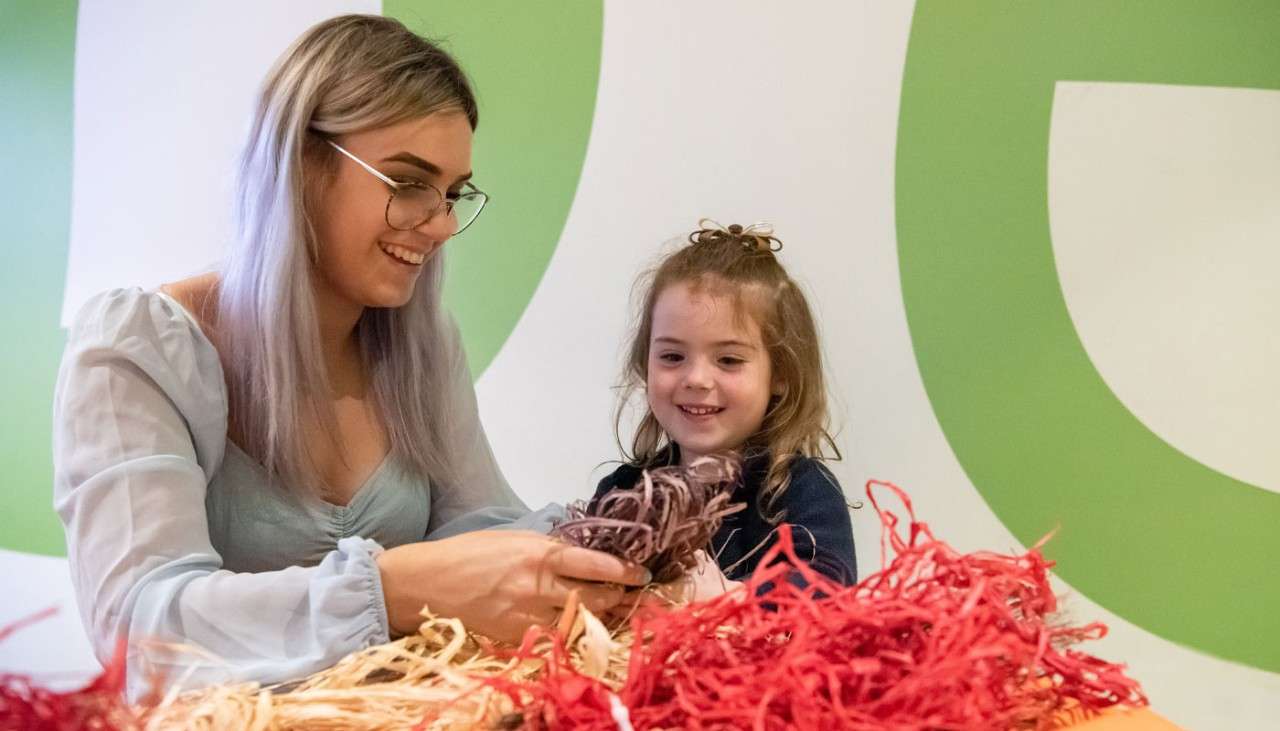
(362, 261)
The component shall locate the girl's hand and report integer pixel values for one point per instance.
(499, 582)
(704, 581)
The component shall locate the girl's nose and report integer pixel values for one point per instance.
(697, 376)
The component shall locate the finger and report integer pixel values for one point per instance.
(558, 593)
(587, 565)
(511, 627)
(618, 616)
(555, 593)
(633, 603)
(598, 599)
(650, 597)
(565, 623)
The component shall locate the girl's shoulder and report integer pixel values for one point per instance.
(624, 476)
(800, 470)
(809, 481)
(812, 471)
(627, 473)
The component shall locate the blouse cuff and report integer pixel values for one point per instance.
(362, 554)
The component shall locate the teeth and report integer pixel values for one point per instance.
(700, 410)
(403, 254)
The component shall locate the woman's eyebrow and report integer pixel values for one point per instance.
(429, 168)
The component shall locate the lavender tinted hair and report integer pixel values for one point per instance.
(344, 75)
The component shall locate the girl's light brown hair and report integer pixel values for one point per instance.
(741, 264)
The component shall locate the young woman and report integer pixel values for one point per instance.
(281, 462)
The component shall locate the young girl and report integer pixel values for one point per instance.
(728, 356)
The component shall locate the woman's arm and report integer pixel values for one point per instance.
(500, 582)
(478, 497)
(139, 429)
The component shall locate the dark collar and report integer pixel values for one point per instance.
(754, 468)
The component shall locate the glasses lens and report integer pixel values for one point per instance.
(466, 208)
(410, 206)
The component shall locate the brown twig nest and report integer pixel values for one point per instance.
(669, 515)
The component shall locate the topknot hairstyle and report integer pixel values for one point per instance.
(756, 237)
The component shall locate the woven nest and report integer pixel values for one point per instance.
(663, 521)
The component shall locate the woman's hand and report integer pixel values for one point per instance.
(499, 582)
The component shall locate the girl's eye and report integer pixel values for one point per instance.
(670, 357)
(731, 361)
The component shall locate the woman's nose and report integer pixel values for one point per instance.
(440, 227)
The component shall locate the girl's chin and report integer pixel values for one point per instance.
(690, 449)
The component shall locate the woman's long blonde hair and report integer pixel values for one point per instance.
(344, 75)
(742, 265)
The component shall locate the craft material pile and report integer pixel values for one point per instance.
(935, 640)
(27, 705)
(663, 520)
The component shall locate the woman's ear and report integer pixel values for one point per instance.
(778, 388)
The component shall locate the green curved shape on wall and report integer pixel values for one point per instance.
(37, 52)
(535, 68)
(1162, 540)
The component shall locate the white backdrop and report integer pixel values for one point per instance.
(799, 131)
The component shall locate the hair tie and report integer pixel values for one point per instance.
(756, 237)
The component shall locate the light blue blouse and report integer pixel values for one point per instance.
(177, 539)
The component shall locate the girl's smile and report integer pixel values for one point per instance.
(697, 412)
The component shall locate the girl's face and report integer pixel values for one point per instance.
(709, 379)
(362, 261)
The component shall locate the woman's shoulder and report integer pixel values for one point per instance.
(123, 316)
(151, 338)
(197, 295)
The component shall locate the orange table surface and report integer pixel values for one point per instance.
(1141, 719)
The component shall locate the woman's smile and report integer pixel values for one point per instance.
(403, 255)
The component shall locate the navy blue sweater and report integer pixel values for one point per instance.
(813, 501)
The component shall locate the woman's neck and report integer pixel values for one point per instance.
(337, 318)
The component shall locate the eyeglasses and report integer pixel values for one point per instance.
(413, 204)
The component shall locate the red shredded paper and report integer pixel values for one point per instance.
(936, 640)
(99, 705)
